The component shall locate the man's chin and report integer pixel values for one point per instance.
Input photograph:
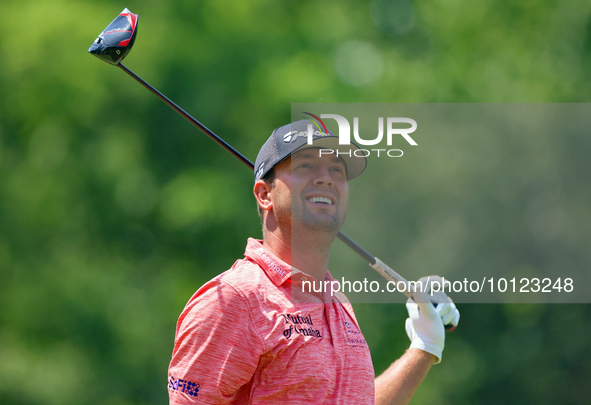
(324, 222)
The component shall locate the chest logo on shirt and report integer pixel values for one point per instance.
(298, 324)
(354, 338)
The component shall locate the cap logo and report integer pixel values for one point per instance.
(320, 133)
(260, 170)
(310, 133)
(292, 136)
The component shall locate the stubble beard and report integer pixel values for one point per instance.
(321, 221)
(297, 214)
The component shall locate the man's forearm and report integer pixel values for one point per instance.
(399, 382)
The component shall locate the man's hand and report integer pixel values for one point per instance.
(447, 310)
(425, 325)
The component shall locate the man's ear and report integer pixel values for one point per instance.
(262, 193)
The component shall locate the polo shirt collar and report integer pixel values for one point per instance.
(276, 269)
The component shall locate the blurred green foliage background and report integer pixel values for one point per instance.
(114, 210)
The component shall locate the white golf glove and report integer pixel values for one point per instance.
(425, 325)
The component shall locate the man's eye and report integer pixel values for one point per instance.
(305, 165)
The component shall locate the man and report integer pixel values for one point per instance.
(254, 335)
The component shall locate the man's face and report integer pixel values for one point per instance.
(311, 190)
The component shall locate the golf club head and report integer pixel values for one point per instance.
(115, 42)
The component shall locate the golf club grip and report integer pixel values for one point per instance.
(385, 271)
(390, 275)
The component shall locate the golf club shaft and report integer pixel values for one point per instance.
(188, 116)
(373, 261)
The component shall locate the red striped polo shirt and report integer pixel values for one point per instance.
(242, 339)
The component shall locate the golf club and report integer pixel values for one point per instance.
(112, 46)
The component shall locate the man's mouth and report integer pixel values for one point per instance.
(321, 200)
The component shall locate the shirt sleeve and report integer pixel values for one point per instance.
(217, 348)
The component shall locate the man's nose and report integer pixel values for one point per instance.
(322, 176)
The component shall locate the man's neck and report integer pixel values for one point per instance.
(308, 254)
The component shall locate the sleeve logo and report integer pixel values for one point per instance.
(185, 386)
